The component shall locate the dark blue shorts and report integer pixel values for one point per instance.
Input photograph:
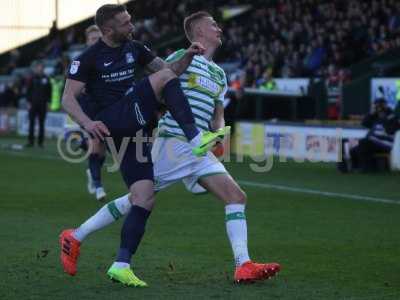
(136, 162)
(132, 112)
(129, 118)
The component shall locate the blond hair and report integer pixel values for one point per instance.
(90, 29)
(190, 21)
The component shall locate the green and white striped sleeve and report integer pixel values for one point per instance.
(175, 56)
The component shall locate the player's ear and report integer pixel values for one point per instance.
(197, 30)
(107, 30)
(109, 27)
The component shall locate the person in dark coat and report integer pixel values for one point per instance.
(38, 95)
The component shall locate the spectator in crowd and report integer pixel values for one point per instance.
(57, 86)
(291, 38)
(302, 38)
(55, 46)
(266, 82)
(334, 82)
(12, 94)
(38, 96)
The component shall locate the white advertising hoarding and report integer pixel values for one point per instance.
(297, 142)
(294, 85)
(307, 143)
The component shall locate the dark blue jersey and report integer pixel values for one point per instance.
(109, 72)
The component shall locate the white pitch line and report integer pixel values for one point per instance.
(259, 184)
(316, 192)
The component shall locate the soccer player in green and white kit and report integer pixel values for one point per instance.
(204, 84)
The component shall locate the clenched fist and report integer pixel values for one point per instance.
(196, 48)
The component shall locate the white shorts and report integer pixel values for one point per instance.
(173, 161)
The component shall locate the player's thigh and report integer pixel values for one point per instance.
(224, 188)
(194, 188)
(136, 163)
(142, 194)
(159, 79)
(173, 161)
(143, 101)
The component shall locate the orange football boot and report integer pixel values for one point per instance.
(250, 272)
(268, 270)
(70, 248)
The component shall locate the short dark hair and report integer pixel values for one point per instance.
(191, 20)
(107, 12)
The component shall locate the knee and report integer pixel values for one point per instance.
(145, 200)
(101, 149)
(242, 197)
(96, 147)
(136, 198)
(238, 197)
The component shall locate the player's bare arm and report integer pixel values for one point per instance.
(218, 120)
(156, 65)
(178, 66)
(73, 89)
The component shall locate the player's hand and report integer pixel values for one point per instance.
(97, 129)
(196, 48)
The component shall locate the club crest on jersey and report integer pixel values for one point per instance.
(129, 58)
(74, 67)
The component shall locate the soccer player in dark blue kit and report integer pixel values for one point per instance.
(106, 72)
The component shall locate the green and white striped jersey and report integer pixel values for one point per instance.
(204, 84)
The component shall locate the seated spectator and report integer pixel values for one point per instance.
(382, 124)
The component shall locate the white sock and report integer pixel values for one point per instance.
(120, 265)
(194, 142)
(108, 214)
(236, 227)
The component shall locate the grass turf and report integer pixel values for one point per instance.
(329, 248)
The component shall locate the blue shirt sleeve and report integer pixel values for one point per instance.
(145, 55)
(80, 68)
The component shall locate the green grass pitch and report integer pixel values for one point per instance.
(330, 247)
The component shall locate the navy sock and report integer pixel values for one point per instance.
(179, 108)
(132, 232)
(95, 164)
